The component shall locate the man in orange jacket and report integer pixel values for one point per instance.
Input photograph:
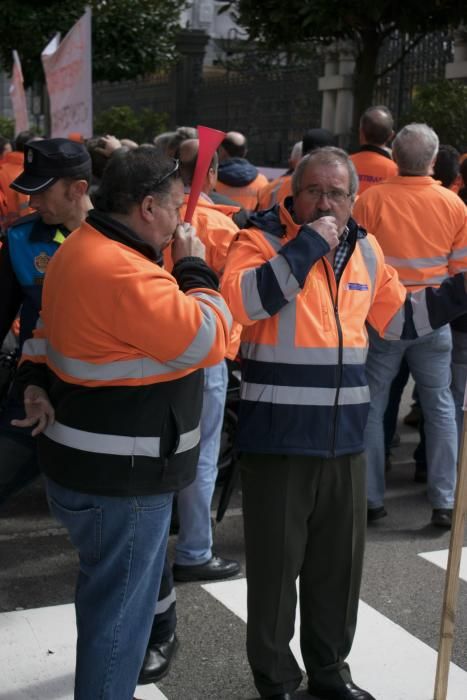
(268, 195)
(194, 559)
(113, 387)
(13, 204)
(373, 160)
(237, 178)
(303, 279)
(422, 229)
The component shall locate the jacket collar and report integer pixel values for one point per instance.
(278, 221)
(116, 231)
(374, 149)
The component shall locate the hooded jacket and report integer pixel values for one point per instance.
(238, 179)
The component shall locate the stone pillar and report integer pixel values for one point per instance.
(458, 69)
(188, 75)
(337, 88)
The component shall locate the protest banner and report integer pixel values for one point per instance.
(68, 72)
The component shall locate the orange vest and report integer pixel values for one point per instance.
(12, 204)
(247, 196)
(420, 225)
(372, 168)
(268, 195)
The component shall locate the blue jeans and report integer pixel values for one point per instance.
(429, 359)
(194, 542)
(459, 376)
(121, 544)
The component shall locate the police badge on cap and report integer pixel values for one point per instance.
(47, 161)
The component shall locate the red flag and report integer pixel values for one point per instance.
(209, 141)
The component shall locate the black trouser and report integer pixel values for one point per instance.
(18, 452)
(304, 517)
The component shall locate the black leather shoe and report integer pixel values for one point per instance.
(376, 514)
(157, 661)
(347, 691)
(442, 517)
(212, 570)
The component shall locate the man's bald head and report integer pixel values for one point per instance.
(376, 124)
(235, 145)
(188, 158)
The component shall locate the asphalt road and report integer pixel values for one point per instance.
(38, 568)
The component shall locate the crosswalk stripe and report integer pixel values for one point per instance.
(37, 655)
(386, 659)
(440, 558)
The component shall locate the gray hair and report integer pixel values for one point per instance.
(414, 149)
(328, 155)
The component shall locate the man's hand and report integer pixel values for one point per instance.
(107, 145)
(39, 410)
(186, 243)
(326, 226)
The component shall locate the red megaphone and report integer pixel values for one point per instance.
(209, 141)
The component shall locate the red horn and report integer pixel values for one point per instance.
(209, 140)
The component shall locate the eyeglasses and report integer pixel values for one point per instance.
(165, 177)
(335, 196)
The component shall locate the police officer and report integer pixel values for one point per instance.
(56, 176)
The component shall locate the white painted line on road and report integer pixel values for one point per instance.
(37, 655)
(440, 558)
(385, 659)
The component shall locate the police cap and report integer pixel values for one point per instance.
(48, 160)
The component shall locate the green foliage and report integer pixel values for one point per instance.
(130, 38)
(283, 24)
(7, 127)
(123, 122)
(442, 105)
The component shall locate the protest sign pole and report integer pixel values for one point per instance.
(451, 588)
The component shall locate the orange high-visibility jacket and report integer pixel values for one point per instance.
(247, 196)
(420, 225)
(268, 195)
(373, 165)
(285, 189)
(304, 342)
(12, 204)
(216, 231)
(117, 347)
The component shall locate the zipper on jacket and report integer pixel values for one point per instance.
(333, 436)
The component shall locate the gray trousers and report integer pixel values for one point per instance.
(305, 517)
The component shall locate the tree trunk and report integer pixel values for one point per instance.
(365, 76)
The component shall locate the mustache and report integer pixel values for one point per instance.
(320, 213)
